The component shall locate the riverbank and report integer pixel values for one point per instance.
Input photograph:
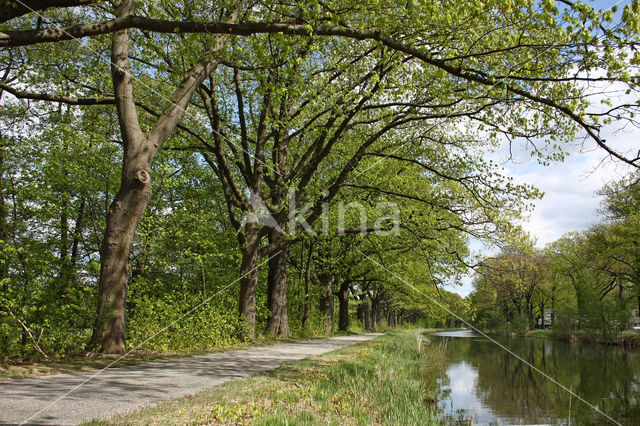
(384, 381)
(625, 338)
(483, 384)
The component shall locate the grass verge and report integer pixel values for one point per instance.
(385, 381)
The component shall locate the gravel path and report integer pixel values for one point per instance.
(64, 399)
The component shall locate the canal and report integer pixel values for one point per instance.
(481, 383)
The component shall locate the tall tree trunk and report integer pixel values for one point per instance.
(553, 303)
(65, 272)
(343, 299)
(4, 228)
(203, 279)
(307, 288)
(277, 292)
(327, 281)
(620, 291)
(77, 233)
(391, 319)
(249, 280)
(367, 315)
(364, 313)
(122, 221)
(375, 312)
(127, 208)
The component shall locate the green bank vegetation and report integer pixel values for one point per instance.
(390, 380)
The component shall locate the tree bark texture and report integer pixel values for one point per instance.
(343, 299)
(327, 301)
(277, 294)
(249, 280)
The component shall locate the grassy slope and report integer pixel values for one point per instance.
(384, 381)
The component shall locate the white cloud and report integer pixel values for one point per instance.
(571, 202)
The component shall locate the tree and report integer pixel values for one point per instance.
(622, 238)
(133, 197)
(515, 281)
(495, 65)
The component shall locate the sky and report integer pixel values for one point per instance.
(570, 201)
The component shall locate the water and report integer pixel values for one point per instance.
(483, 383)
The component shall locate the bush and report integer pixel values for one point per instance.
(565, 323)
(168, 325)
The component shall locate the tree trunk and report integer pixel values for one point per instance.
(125, 212)
(327, 301)
(553, 303)
(122, 221)
(249, 280)
(65, 272)
(620, 291)
(4, 228)
(307, 288)
(77, 233)
(391, 319)
(376, 312)
(366, 315)
(277, 293)
(343, 299)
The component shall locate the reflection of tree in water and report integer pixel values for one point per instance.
(606, 377)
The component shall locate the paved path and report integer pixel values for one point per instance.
(121, 389)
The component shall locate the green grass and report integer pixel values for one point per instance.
(540, 333)
(390, 380)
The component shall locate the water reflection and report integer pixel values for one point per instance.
(485, 384)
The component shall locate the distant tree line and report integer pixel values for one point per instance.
(588, 281)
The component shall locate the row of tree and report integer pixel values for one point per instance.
(587, 281)
(279, 136)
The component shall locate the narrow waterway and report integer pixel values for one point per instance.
(483, 383)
